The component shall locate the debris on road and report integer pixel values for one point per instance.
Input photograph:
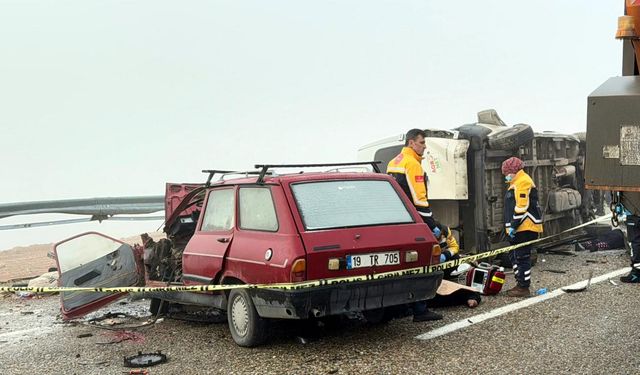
(145, 359)
(581, 289)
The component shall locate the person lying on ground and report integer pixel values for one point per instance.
(454, 294)
(613, 239)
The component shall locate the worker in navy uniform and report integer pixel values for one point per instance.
(631, 208)
(523, 221)
(406, 169)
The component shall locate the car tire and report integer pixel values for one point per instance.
(510, 138)
(156, 306)
(247, 328)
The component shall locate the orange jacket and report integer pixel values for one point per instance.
(521, 205)
(407, 170)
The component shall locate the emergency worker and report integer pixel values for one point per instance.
(449, 246)
(406, 169)
(630, 201)
(522, 221)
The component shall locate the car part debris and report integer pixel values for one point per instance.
(83, 335)
(145, 359)
(581, 289)
(116, 321)
(554, 271)
(120, 336)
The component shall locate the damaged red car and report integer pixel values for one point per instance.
(265, 228)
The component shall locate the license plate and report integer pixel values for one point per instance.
(373, 259)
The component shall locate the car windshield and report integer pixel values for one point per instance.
(350, 203)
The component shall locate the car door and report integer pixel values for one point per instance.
(203, 256)
(94, 260)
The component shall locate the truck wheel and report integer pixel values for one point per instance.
(510, 138)
(475, 134)
(247, 327)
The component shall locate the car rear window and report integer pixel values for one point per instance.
(351, 203)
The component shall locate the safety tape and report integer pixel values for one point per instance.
(304, 284)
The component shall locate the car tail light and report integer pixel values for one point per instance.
(435, 254)
(411, 256)
(298, 270)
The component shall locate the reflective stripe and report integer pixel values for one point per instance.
(507, 225)
(396, 170)
(515, 266)
(425, 214)
(527, 272)
(530, 216)
(527, 278)
(413, 194)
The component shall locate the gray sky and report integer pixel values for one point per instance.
(115, 98)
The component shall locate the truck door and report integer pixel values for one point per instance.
(94, 260)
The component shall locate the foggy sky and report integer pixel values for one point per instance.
(115, 98)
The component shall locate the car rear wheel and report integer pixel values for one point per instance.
(510, 138)
(247, 327)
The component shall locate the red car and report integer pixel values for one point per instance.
(263, 229)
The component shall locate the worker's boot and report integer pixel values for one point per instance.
(632, 277)
(426, 316)
(518, 291)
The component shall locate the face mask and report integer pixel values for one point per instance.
(508, 178)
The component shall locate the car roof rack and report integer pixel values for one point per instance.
(213, 172)
(264, 168)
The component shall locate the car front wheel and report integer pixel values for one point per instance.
(247, 327)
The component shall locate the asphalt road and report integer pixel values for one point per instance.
(591, 332)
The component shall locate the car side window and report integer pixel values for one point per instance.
(257, 211)
(220, 211)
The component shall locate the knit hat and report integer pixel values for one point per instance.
(512, 166)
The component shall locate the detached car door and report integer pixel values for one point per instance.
(94, 260)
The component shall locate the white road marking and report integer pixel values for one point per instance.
(464, 323)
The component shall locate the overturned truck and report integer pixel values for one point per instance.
(466, 186)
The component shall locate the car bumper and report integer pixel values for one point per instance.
(344, 298)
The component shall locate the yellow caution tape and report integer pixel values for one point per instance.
(304, 284)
